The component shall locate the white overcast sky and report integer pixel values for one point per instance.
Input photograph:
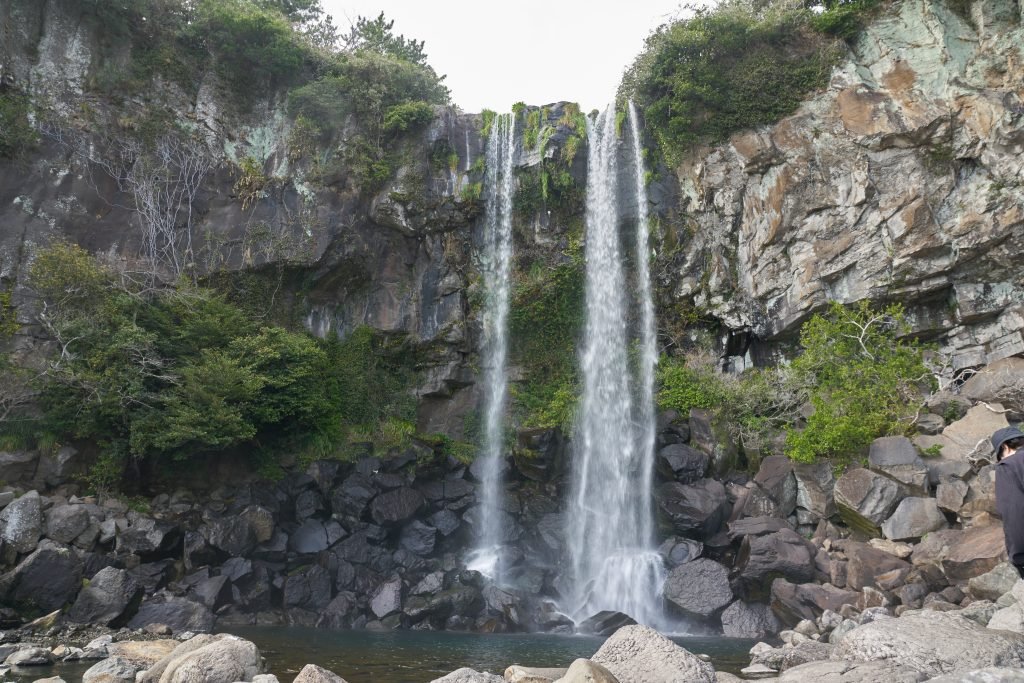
(535, 51)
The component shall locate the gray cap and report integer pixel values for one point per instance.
(1003, 435)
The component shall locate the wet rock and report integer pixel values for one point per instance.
(30, 656)
(45, 580)
(213, 592)
(605, 623)
(21, 523)
(110, 599)
(676, 551)
(749, 620)
(339, 612)
(896, 457)
(913, 518)
(706, 435)
(445, 521)
(396, 506)
(309, 538)
(699, 508)
(353, 495)
(311, 673)
(148, 538)
(309, 589)
(387, 599)
(153, 575)
(933, 643)
(681, 463)
(815, 483)
(865, 499)
(699, 588)
(756, 526)
(178, 613)
(446, 490)
(762, 559)
(418, 538)
(639, 654)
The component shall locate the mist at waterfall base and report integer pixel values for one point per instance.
(613, 564)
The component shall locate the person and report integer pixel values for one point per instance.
(1008, 443)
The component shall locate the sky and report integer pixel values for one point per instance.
(534, 51)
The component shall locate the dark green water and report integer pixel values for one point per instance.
(420, 656)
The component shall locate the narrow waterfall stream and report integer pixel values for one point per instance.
(495, 265)
(610, 526)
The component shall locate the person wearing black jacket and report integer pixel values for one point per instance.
(1009, 451)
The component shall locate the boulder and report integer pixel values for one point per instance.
(396, 506)
(851, 672)
(681, 463)
(21, 523)
(605, 623)
(29, 656)
(929, 554)
(913, 518)
(1010, 618)
(311, 673)
(749, 620)
(111, 670)
(756, 526)
(990, 674)
(866, 563)
(699, 588)
(975, 551)
(981, 494)
(110, 599)
(532, 674)
(309, 538)
(178, 613)
(639, 654)
(675, 550)
(387, 599)
(18, 466)
(65, 523)
(762, 559)
(994, 583)
(467, 675)
(793, 602)
(774, 489)
(148, 538)
(352, 496)
(1001, 381)
(933, 643)
(865, 499)
(950, 494)
(45, 581)
(142, 653)
(815, 483)
(418, 538)
(581, 671)
(310, 588)
(220, 658)
(695, 509)
(896, 457)
(969, 436)
(707, 435)
(238, 535)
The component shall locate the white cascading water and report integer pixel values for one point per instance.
(610, 534)
(495, 266)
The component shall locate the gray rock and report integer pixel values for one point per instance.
(65, 523)
(676, 551)
(148, 538)
(30, 656)
(532, 674)
(178, 613)
(749, 620)
(18, 466)
(605, 623)
(111, 670)
(110, 599)
(581, 671)
(792, 602)
(467, 675)
(990, 674)
(762, 559)
(930, 423)
(1010, 618)
(851, 672)
(896, 457)
(913, 518)
(949, 495)
(994, 583)
(396, 506)
(699, 588)
(46, 579)
(865, 499)
(933, 643)
(1001, 381)
(698, 509)
(639, 654)
(681, 463)
(774, 490)
(311, 673)
(310, 589)
(387, 599)
(418, 538)
(6, 498)
(21, 523)
(756, 526)
(815, 483)
(220, 658)
(980, 611)
(309, 538)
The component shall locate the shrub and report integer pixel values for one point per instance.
(17, 135)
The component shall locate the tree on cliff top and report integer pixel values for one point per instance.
(375, 35)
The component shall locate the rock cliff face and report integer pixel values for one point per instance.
(900, 182)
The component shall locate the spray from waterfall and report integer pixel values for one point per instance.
(610, 527)
(495, 266)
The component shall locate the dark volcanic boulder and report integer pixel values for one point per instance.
(309, 538)
(896, 457)
(605, 623)
(865, 499)
(774, 489)
(913, 518)
(815, 484)
(45, 580)
(697, 509)
(762, 559)
(675, 550)
(309, 589)
(699, 588)
(21, 523)
(352, 496)
(110, 599)
(387, 599)
(149, 538)
(65, 523)
(679, 462)
(418, 538)
(237, 535)
(396, 506)
(178, 613)
(793, 602)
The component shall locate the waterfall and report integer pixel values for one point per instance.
(610, 528)
(495, 266)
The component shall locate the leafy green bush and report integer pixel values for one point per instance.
(861, 377)
(726, 69)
